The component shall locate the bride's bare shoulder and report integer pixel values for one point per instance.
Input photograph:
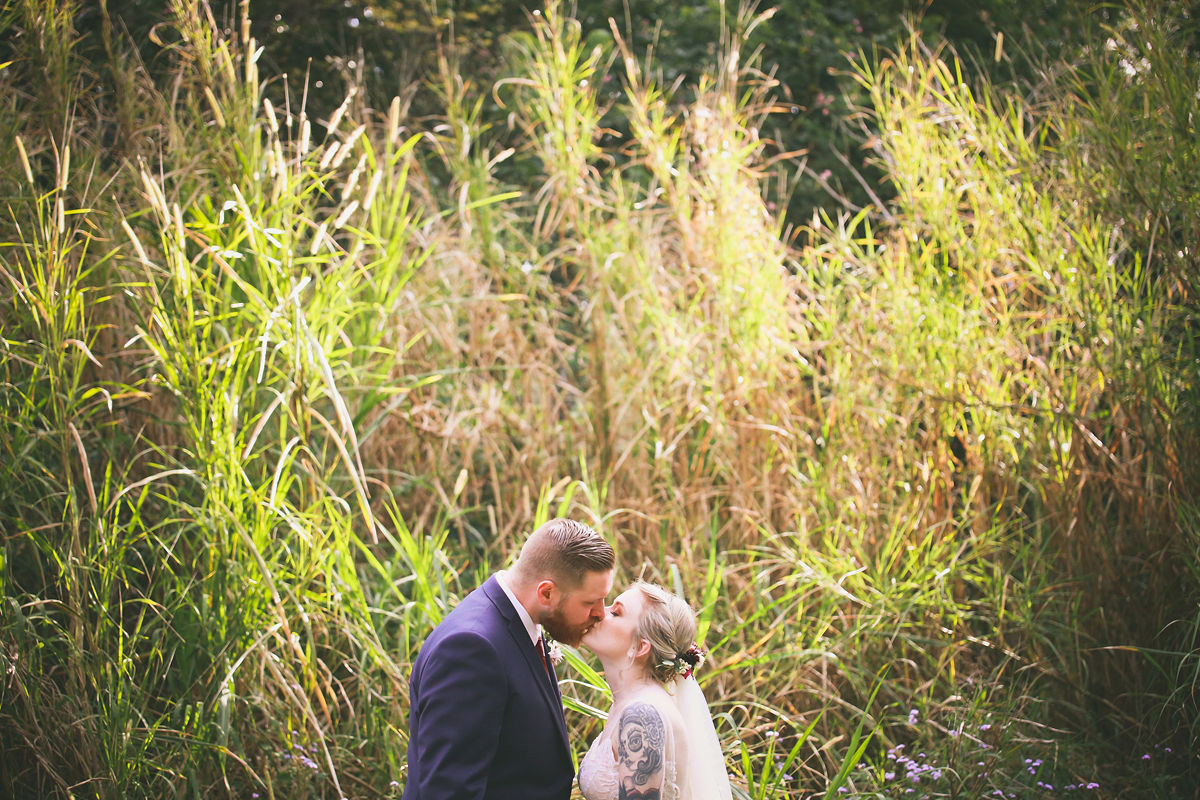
(654, 707)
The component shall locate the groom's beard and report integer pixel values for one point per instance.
(562, 631)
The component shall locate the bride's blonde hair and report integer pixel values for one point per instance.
(668, 623)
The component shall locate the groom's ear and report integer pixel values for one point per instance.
(545, 592)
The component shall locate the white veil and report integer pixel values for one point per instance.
(703, 777)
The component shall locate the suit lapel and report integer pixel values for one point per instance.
(553, 673)
(547, 684)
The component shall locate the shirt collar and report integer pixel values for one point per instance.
(530, 627)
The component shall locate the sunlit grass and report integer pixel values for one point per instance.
(276, 395)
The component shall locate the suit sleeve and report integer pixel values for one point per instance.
(459, 713)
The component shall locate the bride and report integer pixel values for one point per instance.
(659, 742)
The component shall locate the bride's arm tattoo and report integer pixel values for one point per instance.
(641, 744)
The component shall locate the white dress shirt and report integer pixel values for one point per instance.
(530, 626)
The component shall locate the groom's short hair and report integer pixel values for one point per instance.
(564, 551)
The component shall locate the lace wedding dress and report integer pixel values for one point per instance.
(694, 768)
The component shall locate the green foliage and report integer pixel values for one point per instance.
(275, 393)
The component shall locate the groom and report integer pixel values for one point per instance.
(486, 719)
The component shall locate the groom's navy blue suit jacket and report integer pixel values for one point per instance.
(486, 721)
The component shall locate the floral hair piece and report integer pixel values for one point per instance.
(685, 663)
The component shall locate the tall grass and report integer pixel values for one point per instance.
(1135, 87)
(191, 560)
(278, 392)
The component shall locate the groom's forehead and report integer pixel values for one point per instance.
(595, 587)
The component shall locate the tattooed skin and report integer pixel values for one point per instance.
(641, 740)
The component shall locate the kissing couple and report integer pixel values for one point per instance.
(486, 715)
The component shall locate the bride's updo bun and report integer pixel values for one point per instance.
(669, 625)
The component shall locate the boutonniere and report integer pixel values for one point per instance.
(556, 653)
